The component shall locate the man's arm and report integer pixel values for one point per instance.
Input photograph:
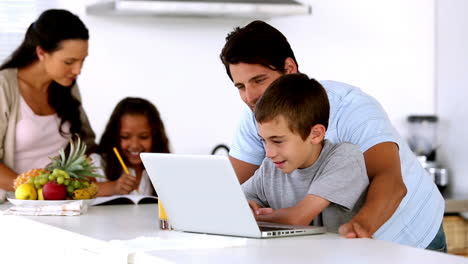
(243, 169)
(386, 190)
(7, 176)
(301, 214)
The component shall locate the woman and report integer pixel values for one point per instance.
(40, 104)
(135, 126)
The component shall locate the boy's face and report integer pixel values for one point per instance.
(252, 80)
(287, 150)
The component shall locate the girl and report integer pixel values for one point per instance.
(40, 104)
(134, 127)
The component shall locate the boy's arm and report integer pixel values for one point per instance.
(301, 214)
(385, 192)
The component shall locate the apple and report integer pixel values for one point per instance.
(54, 191)
(26, 191)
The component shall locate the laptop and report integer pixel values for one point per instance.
(202, 194)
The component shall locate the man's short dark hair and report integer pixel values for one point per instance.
(303, 102)
(257, 43)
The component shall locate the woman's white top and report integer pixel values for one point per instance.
(37, 139)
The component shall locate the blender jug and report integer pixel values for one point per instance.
(423, 135)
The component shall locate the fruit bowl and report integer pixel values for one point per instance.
(66, 177)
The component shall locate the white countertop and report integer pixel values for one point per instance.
(86, 238)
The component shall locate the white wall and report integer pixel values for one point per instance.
(452, 89)
(385, 47)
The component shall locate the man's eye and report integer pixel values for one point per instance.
(277, 142)
(259, 80)
(68, 62)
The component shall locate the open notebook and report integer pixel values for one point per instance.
(201, 194)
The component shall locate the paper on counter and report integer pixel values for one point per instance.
(142, 244)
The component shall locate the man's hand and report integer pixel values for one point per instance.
(353, 229)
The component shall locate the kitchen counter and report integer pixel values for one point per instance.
(455, 202)
(88, 238)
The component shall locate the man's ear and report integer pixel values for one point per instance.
(290, 66)
(317, 134)
(40, 53)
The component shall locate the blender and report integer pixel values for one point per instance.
(423, 142)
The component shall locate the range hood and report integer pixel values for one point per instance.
(200, 8)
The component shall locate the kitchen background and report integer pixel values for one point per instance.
(410, 55)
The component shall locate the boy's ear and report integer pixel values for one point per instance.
(290, 66)
(317, 134)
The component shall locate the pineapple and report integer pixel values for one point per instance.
(76, 165)
(25, 176)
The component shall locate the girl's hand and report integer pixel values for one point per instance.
(125, 184)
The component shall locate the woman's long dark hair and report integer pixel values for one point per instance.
(111, 136)
(51, 28)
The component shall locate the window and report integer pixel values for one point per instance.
(15, 18)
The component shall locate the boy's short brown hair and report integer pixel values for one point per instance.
(302, 101)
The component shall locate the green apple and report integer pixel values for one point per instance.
(26, 191)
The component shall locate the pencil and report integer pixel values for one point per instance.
(123, 164)
(121, 160)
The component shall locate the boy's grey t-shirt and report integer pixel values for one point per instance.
(339, 176)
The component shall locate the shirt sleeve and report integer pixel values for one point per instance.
(253, 188)
(247, 145)
(4, 112)
(344, 177)
(365, 123)
(97, 162)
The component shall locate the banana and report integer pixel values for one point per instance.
(86, 193)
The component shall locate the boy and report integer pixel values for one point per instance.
(303, 174)
(402, 203)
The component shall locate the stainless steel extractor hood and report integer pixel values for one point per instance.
(201, 8)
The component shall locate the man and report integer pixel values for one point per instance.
(403, 205)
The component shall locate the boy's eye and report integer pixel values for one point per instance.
(277, 141)
(68, 62)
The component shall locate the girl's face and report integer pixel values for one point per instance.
(64, 65)
(135, 137)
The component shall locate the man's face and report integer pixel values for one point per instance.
(252, 80)
(287, 150)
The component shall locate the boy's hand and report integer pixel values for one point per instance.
(259, 210)
(353, 230)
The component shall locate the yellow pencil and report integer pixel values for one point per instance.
(121, 161)
(123, 164)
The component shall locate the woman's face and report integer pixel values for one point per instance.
(64, 64)
(135, 137)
